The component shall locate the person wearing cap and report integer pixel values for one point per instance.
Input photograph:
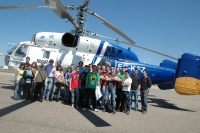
(50, 86)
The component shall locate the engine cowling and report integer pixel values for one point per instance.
(48, 39)
(69, 40)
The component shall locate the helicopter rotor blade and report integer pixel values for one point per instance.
(20, 7)
(60, 10)
(130, 41)
(151, 51)
(112, 27)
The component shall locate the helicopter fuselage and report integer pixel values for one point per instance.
(70, 49)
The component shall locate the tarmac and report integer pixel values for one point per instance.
(168, 112)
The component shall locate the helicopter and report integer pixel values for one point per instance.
(78, 45)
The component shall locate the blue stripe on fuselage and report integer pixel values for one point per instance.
(98, 52)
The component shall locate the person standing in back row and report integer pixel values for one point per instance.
(145, 87)
(27, 63)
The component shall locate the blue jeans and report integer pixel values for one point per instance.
(17, 91)
(103, 96)
(112, 92)
(75, 93)
(135, 94)
(48, 88)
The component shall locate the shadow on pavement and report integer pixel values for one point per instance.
(14, 107)
(94, 119)
(5, 86)
(162, 103)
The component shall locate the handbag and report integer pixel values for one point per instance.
(22, 81)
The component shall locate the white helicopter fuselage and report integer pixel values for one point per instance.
(48, 45)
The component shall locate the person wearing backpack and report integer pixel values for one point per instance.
(40, 81)
(28, 76)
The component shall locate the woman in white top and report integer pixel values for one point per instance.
(59, 80)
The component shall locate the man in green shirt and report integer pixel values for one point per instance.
(92, 81)
(119, 88)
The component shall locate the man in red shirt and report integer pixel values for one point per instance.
(74, 87)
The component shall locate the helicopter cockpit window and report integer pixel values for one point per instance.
(46, 54)
(12, 49)
(21, 51)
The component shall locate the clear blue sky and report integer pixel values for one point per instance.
(168, 26)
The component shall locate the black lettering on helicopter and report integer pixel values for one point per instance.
(39, 60)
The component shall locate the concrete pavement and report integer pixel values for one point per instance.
(167, 112)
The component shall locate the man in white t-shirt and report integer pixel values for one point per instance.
(126, 83)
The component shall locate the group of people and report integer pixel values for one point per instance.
(88, 86)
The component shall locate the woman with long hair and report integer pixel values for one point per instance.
(67, 79)
(34, 67)
(28, 76)
(18, 86)
(59, 80)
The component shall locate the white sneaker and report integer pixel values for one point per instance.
(84, 109)
(96, 110)
(72, 105)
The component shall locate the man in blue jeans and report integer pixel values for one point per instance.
(135, 87)
(111, 79)
(50, 86)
